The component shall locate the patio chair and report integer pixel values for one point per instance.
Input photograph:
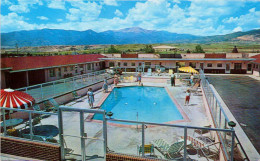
(147, 149)
(55, 105)
(75, 95)
(169, 151)
(204, 135)
(209, 151)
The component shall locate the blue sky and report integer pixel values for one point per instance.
(197, 17)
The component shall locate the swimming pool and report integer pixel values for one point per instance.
(149, 104)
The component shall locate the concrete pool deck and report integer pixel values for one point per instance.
(124, 139)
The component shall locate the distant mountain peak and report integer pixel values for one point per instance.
(134, 29)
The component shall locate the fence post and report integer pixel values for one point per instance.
(30, 124)
(61, 133)
(53, 88)
(105, 134)
(185, 143)
(143, 139)
(41, 91)
(3, 113)
(232, 145)
(82, 135)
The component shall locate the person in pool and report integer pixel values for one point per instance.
(116, 79)
(139, 78)
(90, 97)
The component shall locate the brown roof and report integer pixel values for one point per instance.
(23, 63)
(257, 57)
(215, 55)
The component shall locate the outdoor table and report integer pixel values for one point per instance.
(12, 122)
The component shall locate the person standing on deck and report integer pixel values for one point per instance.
(105, 85)
(191, 79)
(187, 99)
(173, 79)
(90, 97)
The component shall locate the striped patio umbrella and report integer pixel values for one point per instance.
(15, 99)
(188, 70)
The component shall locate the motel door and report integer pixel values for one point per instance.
(227, 69)
(81, 138)
(202, 66)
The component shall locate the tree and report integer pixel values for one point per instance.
(198, 49)
(149, 49)
(112, 49)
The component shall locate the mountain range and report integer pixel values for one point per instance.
(134, 35)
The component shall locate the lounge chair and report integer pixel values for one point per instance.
(204, 135)
(75, 95)
(147, 149)
(55, 105)
(195, 87)
(204, 150)
(169, 151)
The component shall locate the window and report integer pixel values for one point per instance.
(219, 65)
(209, 65)
(147, 63)
(133, 64)
(140, 64)
(249, 67)
(89, 66)
(65, 69)
(59, 72)
(52, 72)
(238, 66)
(256, 66)
(180, 64)
(111, 64)
(119, 64)
(193, 65)
(125, 64)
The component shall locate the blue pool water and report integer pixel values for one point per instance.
(153, 104)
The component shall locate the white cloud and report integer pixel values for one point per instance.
(42, 18)
(176, 1)
(5, 2)
(118, 13)
(14, 22)
(59, 20)
(82, 11)
(23, 6)
(246, 21)
(237, 29)
(57, 4)
(110, 2)
(252, 10)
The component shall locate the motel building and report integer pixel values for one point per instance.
(17, 72)
(255, 65)
(229, 63)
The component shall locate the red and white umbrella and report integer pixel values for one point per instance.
(15, 99)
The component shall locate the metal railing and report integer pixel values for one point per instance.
(30, 122)
(41, 92)
(220, 119)
(187, 130)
